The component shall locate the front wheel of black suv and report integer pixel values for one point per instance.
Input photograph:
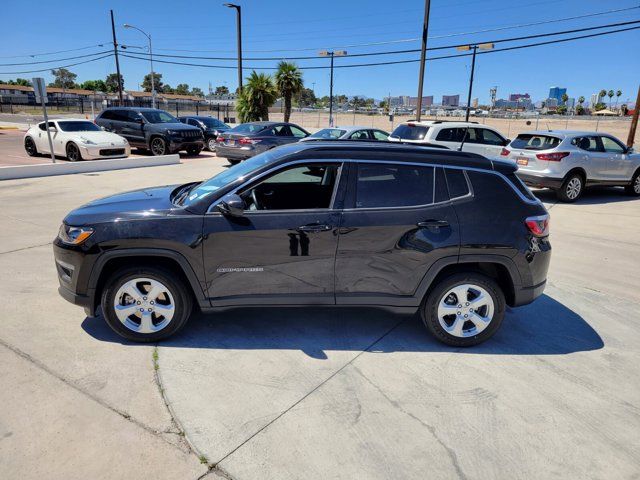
(464, 309)
(146, 304)
(571, 188)
(194, 150)
(634, 188)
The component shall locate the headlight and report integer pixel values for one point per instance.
(74, 235)
(124, 141)
(86, 141)
(173, 132)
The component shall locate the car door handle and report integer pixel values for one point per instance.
(433, 224)
(314, 227)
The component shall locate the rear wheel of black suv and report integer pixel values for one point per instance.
(158, 146)
(146, 304)
(464, 309)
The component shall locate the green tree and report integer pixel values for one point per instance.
(23, 82)
(601, 95)
(599, 106)
(182, 89)
(289, 83)
(94, 85)
(63, 78)
(580, 109)
(111, 82)
(157, 80)
(618, 93)
(564, 98)
(166, 88)
(610, 94)
(307, 97)
(256, 97)
(197, 92)
(561, 110)
(221, 90)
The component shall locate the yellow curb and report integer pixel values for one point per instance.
(8, 128)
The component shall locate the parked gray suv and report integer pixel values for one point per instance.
(569, 161)
(152, 129)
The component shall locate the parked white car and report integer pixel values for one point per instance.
(75, 139)
(480, 139)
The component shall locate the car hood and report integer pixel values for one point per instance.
(99, 137)
(132, 205)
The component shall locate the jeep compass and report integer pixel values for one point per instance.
(452, 235)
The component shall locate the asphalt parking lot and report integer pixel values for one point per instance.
(335, 393)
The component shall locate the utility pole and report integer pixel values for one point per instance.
(634, 121)
(115, 52)
(481, 46)
(423, 54)
(325, 53)
(239, 35)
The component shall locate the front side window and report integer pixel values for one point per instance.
(359, 135)
(611, 146)
(297, 132)
(380, 135)
(490, 137)
(391, 185)
(298, 187)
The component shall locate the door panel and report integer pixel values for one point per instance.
(267, 257)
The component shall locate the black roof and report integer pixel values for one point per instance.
(391, 151)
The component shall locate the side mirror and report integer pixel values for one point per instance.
(232, 205)
(52, 129)
(629, 150)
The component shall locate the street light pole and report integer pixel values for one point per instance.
(481, 46)
(239, 35)
(423, 54)
(153, 85)
(325, 53)
(115, 53)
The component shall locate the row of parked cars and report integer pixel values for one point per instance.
(565, 161)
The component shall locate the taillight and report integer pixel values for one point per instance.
(505, 152)
(552, 157)
(219, 139)
(247, 141)
(538, 226)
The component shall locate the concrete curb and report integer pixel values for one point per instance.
(70, 168)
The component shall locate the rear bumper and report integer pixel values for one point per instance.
(526, 295)
(539, 181)
(235, 153)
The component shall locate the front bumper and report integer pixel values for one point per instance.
(177, 144)
(94, 152)
(74, 268)
(539, 181)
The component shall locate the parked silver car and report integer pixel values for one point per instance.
(569, 161)
(353, 132)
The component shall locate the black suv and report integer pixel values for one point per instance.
(451, 234)
(211, 128)
(152, 129)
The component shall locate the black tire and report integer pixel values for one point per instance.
(633, 190)
(158, 146)
(233, 161)
(211, 144)
(567, 192)
(194, 150)
(73, 152)
(30, 147)
(178, 290)
(429, 308)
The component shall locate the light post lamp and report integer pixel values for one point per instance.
(239, 35)
(481, 46)
(153, 85)
(325, 53)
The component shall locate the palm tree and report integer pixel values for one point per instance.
(581, 99)
(580, 108)
(564, 98)
(618, 93)
(610, 95)
(289, 83)
(256, 97)
(602, 94)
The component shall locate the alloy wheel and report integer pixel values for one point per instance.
(144, 305)
(636, 185)
(211, 144)
(73, 154)
(573, 188)
(30, 146)
(465, 310)
(157, 146)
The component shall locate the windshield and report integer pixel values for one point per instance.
(228, 176)
(329, 133)
(213, 123)
(159, 116)
(78, 127)
(248, 128)
(410, 132)
(535, 142)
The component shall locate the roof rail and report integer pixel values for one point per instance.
(451, 121)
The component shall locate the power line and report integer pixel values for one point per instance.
(394, 52)
(59, 51)
(396, 62)
(59, 66)
(55, 59)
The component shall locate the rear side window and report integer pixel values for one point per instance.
(535, 142)
(107, 115)
(457, 183)
(520, 186)
(390, 185)
(410, 131)
(589, 144)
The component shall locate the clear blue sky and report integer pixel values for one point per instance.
(583, 66)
